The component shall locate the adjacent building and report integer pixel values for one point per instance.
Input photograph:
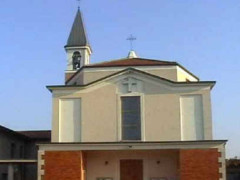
(18, 153)
(233, 169)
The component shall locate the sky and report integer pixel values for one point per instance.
(202, 35)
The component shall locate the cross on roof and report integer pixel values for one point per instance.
(131, 38)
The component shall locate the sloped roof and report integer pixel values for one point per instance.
(10, 131)
(28, 135)
(132, 62)
(41, 134)
(78, 36)
(130, 69)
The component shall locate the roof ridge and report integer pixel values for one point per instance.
(155, 60)
(33, 131)
(106, 61)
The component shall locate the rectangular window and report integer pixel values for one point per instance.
(21, 152)
(12, 150)
(131, 118)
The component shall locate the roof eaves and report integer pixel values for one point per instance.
(7, 130)
(140, 142)
(85, 85)
(36, 134)
(211, 83)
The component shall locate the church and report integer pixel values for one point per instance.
(129, 119)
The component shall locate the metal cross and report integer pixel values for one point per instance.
(131, 38)
(130, 83)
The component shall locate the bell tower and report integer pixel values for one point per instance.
(78, 48)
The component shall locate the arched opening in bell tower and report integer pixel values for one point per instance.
(76, 60)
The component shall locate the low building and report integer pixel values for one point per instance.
(233, 169)
(18, 153)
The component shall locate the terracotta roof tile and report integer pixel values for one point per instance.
(132, 62)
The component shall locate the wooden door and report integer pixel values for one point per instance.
(131, 169)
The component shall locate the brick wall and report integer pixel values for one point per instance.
(199, 164)
(65, 165)
(68, 76)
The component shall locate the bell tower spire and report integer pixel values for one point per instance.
(77, 48)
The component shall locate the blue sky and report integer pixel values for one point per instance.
(202, 35)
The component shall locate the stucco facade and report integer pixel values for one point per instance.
(87, 119)
(100, 120)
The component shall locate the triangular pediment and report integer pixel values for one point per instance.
(143, 80)
(135, 81)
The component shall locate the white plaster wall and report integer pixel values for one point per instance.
(192, 126)
(161, 111)
(70, 120)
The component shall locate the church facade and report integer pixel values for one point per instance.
(131, 118)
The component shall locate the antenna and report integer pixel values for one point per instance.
(131, 38)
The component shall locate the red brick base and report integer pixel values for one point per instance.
(67, 165)
(195, 164)
(199, 164)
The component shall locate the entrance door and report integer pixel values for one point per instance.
(131, 169)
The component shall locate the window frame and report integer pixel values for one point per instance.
(142, 117)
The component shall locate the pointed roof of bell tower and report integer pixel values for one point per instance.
(78, 35)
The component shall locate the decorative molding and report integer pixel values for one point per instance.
(133, 145)
(41, 163)
(119, 115)
(172, 86)
(222, 162)
(130, 85)
(79, 47)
